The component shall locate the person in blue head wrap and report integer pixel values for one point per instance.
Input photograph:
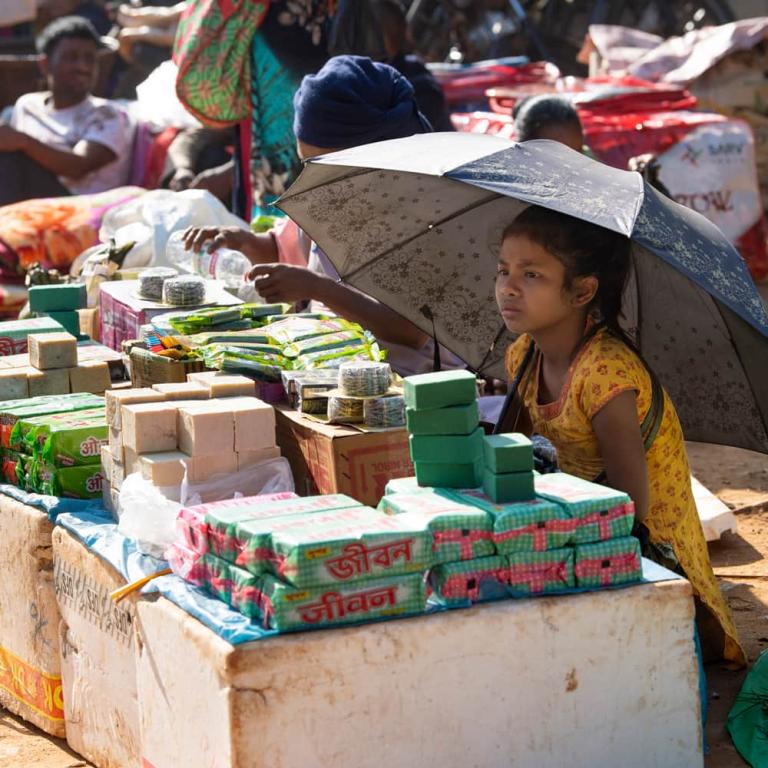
(351, 101)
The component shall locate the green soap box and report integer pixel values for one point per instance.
(453, 420)
(511, 452)
(510, 486)
(69, 320)
(450, 475)
(57, 298)
(447, 449)
(439, 390)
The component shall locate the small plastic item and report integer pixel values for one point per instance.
(151, 281)
(184, 291)
(364, 379)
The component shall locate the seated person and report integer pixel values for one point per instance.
(549, 117)
(64, 141)
(350, 101)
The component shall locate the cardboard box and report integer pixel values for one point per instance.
(332, 459)
(123, 313)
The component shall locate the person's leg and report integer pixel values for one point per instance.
(21, 178)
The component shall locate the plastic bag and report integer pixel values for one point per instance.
(157, 102)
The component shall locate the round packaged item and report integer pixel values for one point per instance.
(345, 410)
(383, 412)
(363, 378)
(184, 291)
(151, 282)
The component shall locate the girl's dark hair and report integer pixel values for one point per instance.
(584, 249)
(537, 113)
(64, 27)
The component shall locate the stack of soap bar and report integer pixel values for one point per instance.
(508, 473)
(61, 303)
(51, 351)
(442, 417)
(187, 390)
(224, 385)
(90, 376)
(13, 384)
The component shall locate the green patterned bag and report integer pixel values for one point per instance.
(539, 573)
(458, 531)
(608, 563)
(286, 607)
(457, 583)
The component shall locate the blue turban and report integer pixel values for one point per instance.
(353, 100)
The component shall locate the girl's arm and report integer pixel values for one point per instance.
(621, 446)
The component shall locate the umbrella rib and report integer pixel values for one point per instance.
(286, 196)
(419, 234)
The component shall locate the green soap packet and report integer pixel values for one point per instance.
(246, 592)
(84, 482)
(69, 321)
(287, 608)
(71, 444)
(453, 420)
(579, 497)
(404, 485)
(223, 518)
(369, 544)
(57, 298)
(457, 583)
(30, 433)
(608, 563)
(455, 475)
(511, 486)
(439, 390)
(614, 523)
(538, 573)
(216, 577)
(9, 467)
(459, 531)
(447, 449)
(510, 452)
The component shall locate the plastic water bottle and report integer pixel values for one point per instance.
(225, 264)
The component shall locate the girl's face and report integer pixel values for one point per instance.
(530, 288)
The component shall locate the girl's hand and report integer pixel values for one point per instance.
(621, 446)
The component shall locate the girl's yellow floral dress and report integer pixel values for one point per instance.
(603, 368)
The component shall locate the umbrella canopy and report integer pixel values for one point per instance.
(417, 223)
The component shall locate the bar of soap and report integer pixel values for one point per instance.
(247, 459)
(186, 390)
(447, 449)
(13, 384)
(149, 427)
(107, 461)
(511, 452)
(163, 469)
(203, 468)
(69, 321)
(90, 376)
(116, 398)
(254, 422)
(507, 487)
(206, 430)
(449, 475)
(131, 462)
(230, 386)
(57, 298)
(49, 351)
(51, 382)
(439, 390)
(453, 420)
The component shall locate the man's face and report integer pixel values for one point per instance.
(71, 67)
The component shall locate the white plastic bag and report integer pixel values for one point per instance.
(157, 102)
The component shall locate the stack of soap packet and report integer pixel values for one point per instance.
(442, 419)
(508, 472)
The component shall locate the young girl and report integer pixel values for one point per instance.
(581, 384)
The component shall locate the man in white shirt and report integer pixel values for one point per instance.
(64, 141)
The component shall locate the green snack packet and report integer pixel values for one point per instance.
(263, 311)
(505, 453)
(287, 608)
(447, 449)
(608, 563)
(457, 583)
(69, 482)
(368, 545)
(231, 338)
(459, 531)
(298, 327)
(439, 390)
(325, 342)
(453, 420)
(536, 573)
(73, 443)
(333, 358)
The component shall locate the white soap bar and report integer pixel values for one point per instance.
(51, 382)
(13, 384)
(48, 351)
(149, 427)
(116, 442)
(224, 385)
(206, 429)
(116, 398)
(247, 459)
(163, 469)
(90, 376)
(107, 462)
(203, 468)
(188, 390)
(254, 424)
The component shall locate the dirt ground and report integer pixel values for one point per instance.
(739, 478)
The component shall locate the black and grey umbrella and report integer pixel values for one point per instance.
(417, 224)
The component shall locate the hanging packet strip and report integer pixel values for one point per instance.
(458, 531)
(371, 546)
(286, 608)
